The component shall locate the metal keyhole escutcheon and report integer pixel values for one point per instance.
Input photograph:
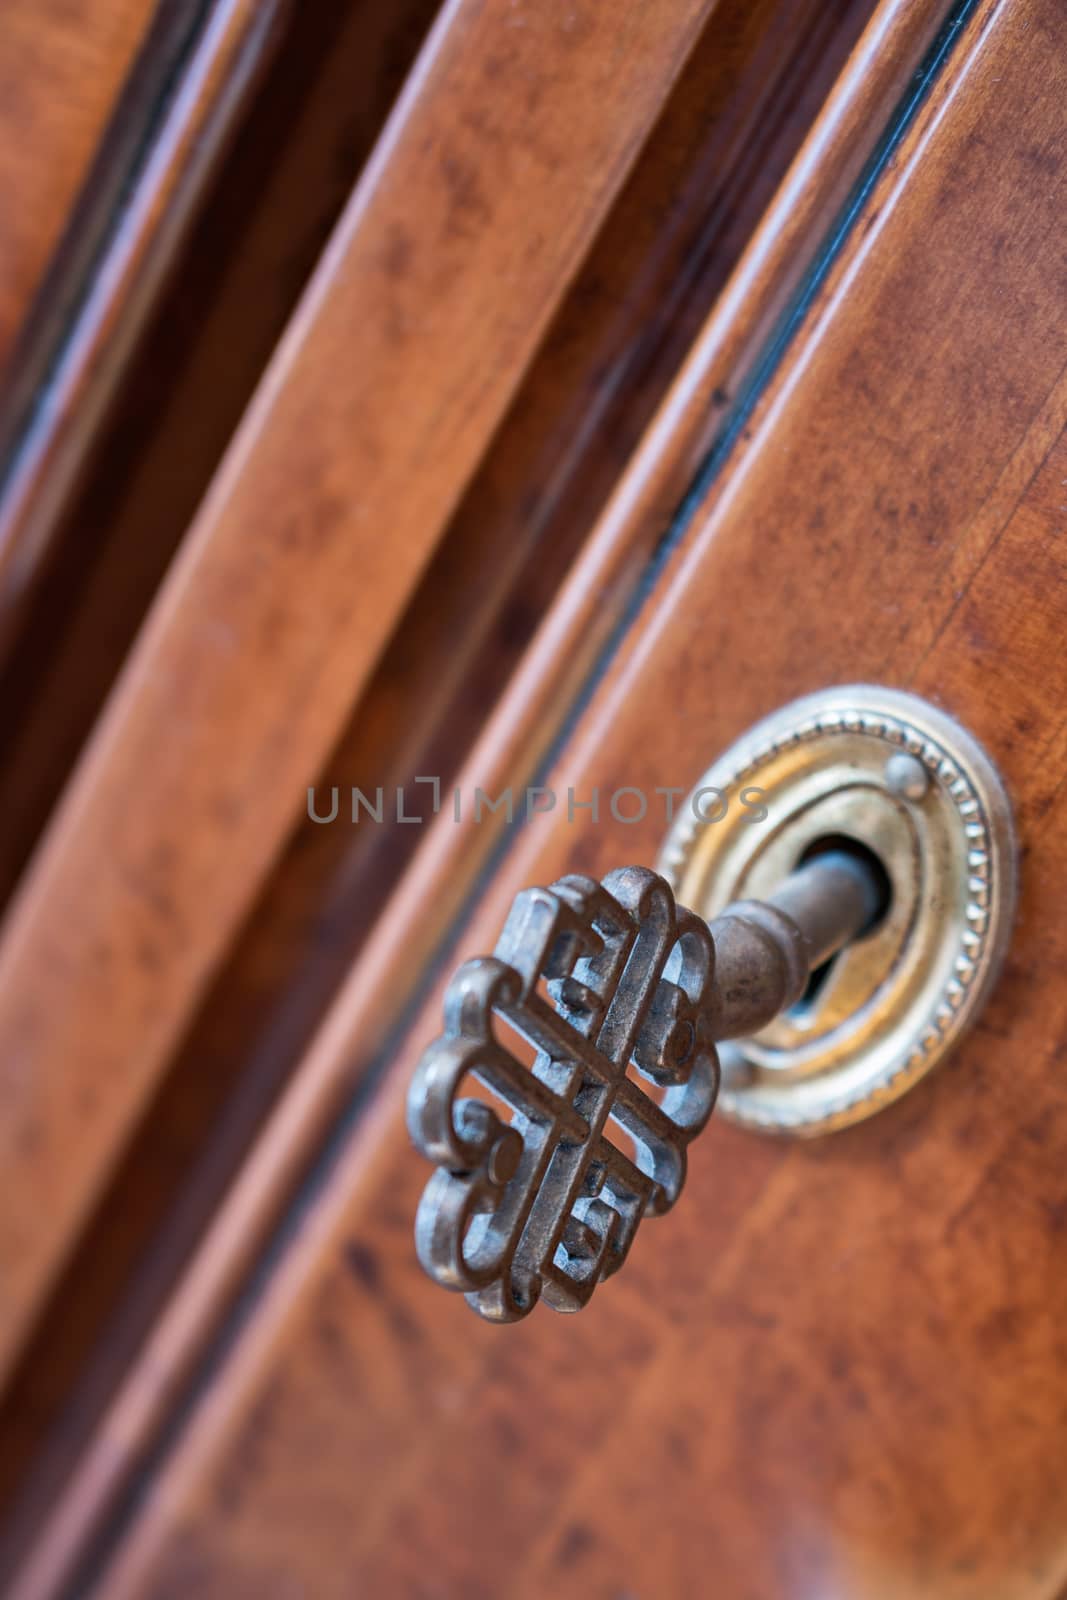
(901, 779)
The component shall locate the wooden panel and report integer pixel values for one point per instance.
(255, 992)
(333, 80)
(330, 884)
(633, 306)
(323, 93)
(169, 126)
(733, 119)
(400, 363)
(61, 66)
(836, 1367)
(619, 337)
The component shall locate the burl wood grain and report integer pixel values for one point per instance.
(836, 1369)
(402, 359)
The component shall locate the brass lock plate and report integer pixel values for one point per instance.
(884, 772)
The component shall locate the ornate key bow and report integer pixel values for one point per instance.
(617, 996)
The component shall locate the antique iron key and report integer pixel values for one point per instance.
(620, 997)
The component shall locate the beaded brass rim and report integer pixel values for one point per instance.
(898, 776)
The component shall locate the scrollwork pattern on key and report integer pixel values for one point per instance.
(538, 1193)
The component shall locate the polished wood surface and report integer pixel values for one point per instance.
(632, 312)
(754, 81)
(315, 118)
(61, 70)
(168, 128)
(835, 1369)
(308, 544)
(317, 105)
(592, 604)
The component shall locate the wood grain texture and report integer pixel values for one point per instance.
(607, 573)
(836, 1368)
(451, 256)
(646, 288)
(191, 79)
(320, 101)
(740, 108)
(61, 68)
(634, 304)
(631, 314)
(253, 1004)
(317, 112)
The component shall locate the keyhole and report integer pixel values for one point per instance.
(802, 1009)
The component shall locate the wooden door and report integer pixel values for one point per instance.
(836, 1369)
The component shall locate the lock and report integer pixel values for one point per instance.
(890, 777)
(811, 962)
